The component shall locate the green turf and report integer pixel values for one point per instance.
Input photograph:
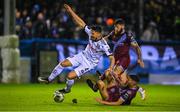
(31, 97)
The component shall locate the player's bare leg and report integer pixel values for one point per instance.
(102, 89)
(120, 75)
(72, 75)
(106, 76)
(93, 85)
(57, 70)
(123, 80)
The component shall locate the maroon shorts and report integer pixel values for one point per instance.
(123, 61)
(113, 93)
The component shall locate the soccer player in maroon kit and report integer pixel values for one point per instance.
(112, 93)
(118, 78)
(122, 41)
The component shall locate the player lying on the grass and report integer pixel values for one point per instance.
(112, 93)
(118, 81)
(85, 60)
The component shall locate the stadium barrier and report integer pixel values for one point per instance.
(11, 41)
(10, 58)
(25, 70)
(0, 66)
(159, 57)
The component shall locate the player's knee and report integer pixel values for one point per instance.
(124, 81)
(71, 75)
(64, 63)
(106, 73)
(109, 77)
(100, 84)
(118, 71)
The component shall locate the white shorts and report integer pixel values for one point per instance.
(81, 63)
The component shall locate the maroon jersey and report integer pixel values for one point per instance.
(121, 49)
(126, 94)
(122, 44)
(113, 93)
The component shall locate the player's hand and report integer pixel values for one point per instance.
(67, 7)
(98, 100)
(108, 71)
(140, 62)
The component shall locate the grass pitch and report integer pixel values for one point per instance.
(39, 97)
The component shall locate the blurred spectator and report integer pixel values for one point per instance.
(40, 27)
(51, 16)
(19, 20)
(54, 30)
(177, 28)
(163, 13)
(151, 33)
(177, 23)
(26, 31)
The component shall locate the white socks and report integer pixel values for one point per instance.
(140, 89)
(142, 93)
(69, 84)
(57, 70)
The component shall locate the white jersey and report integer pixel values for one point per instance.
(95, 49)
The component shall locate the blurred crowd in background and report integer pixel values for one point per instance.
(48, 18)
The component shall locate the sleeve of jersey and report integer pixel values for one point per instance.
(130, 35)
(87, 30)
(125, 97)
(107, 49)
(132, 39)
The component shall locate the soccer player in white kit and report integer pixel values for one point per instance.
(85, 60)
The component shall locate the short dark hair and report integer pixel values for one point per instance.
(135, 77)
(119, 21)
(96, 28)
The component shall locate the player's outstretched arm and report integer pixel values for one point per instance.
(119, 102)
(111, 66)
(138, 52)
(74, 16)
(109, 35)
(112, 62)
